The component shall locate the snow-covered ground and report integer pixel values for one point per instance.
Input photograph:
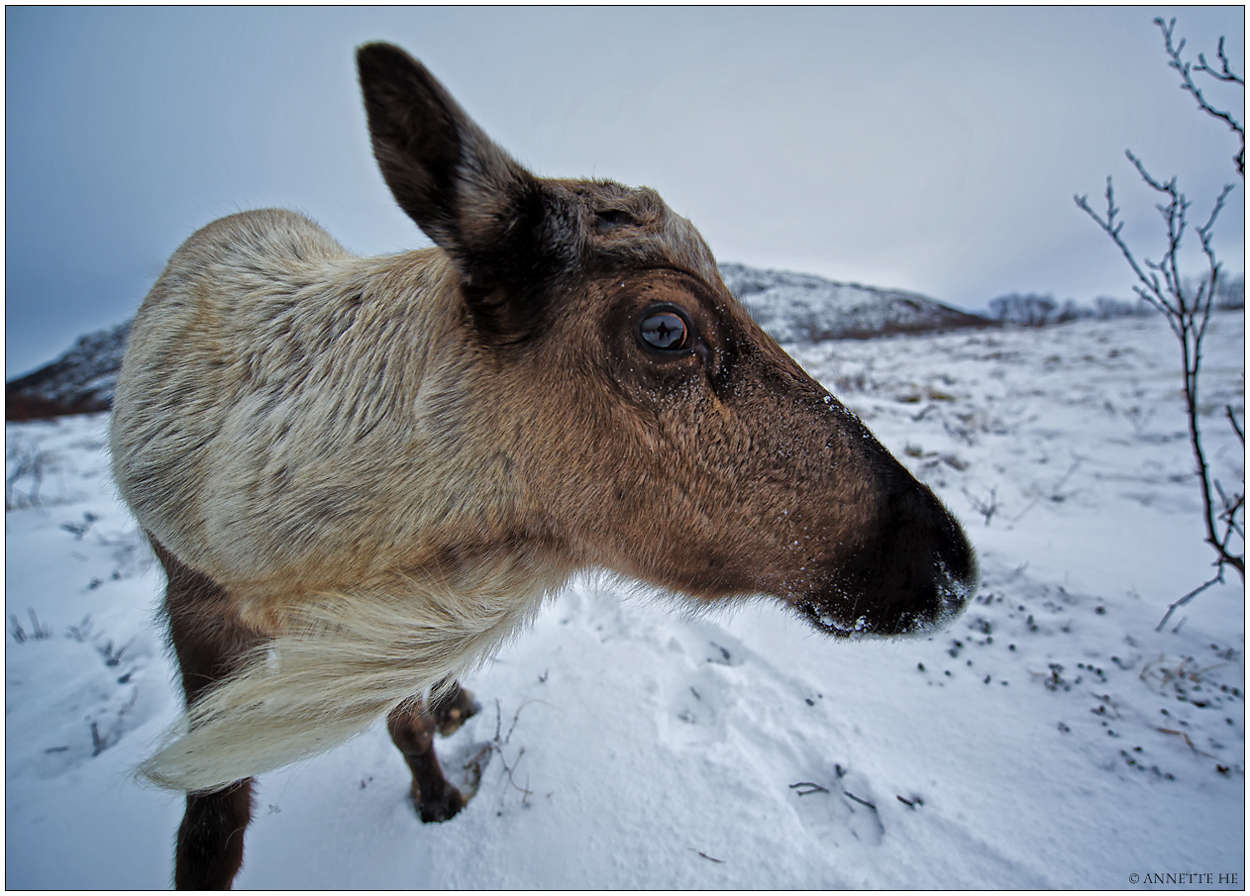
(1050, 738)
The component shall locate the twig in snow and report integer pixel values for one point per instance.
(38, 632)
(98, 743)
(502, 741)
(101, 742)
(1056, 495)
(809, 787)
(82, 630)
(706, 856)
(1182, 734)
(862, 802)
(987, 507)
(1216, 580)
(78, 530)
(25, 462)
(111, 657)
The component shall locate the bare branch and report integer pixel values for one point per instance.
(1241, 433)
(1229, 516)
(1225, 74)
(1187, 309)
(1188, 597)
(1150, 290)
(1169, 188)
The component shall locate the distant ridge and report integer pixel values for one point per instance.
(81, 381)
(791, 307)
(806, 308)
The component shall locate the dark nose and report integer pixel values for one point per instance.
(914, 574)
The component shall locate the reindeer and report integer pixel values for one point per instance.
(361, 475)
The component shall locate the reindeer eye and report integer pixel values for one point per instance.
(663, 330)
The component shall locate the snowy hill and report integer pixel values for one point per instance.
(803, 308)
(81, 381)
(791, 307)
(1051, 738)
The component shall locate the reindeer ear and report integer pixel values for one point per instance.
(470, 197)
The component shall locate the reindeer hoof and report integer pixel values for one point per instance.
(452, 799)
(449, 802)
(454, 712)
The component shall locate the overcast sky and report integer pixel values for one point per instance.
(935, 150)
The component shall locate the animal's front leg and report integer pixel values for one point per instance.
(412, 729)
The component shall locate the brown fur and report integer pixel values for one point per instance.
(363, 474)
(208, 640)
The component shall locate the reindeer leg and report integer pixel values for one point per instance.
(412, 729)
(210, 838)
(209, 640)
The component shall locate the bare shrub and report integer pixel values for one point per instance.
(1186, 304)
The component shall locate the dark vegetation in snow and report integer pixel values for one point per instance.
(1039, 310)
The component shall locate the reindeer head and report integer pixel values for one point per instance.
(635, 417)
